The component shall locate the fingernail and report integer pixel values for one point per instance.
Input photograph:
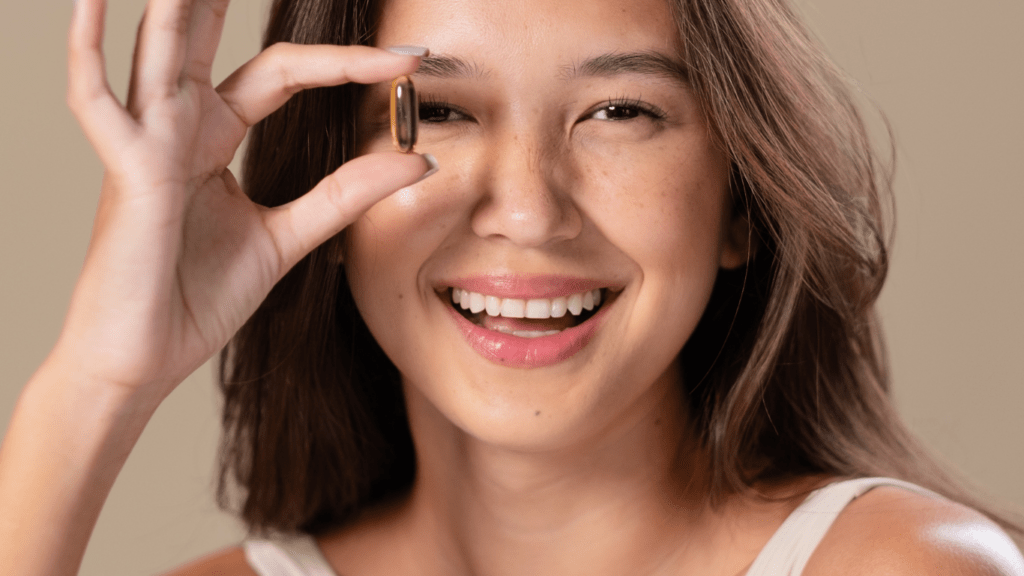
(410, 50)
(432, 163)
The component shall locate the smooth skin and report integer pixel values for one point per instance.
(608, 482)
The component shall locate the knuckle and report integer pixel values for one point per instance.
(239, 111)
(276, 52)
(71, 99)
(278, 60)
(219, 8)
(340, 195)
(74, 95)
(178, 22)
(79, 98)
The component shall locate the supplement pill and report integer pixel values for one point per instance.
(405, 113)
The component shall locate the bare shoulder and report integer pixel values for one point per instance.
(227, 562)
(890, 531)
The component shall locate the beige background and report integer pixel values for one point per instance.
(947, 73)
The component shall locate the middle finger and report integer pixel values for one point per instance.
(204, 37)
(160, 50)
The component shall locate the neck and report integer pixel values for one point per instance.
(593, 505)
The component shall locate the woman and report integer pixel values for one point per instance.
(695, 171)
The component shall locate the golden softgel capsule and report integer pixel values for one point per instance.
(405, 113)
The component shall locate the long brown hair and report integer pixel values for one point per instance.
(785, 374)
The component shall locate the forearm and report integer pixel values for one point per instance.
(67, 441)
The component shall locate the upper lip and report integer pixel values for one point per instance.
(527, 286)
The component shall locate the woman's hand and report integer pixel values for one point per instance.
(179, 256)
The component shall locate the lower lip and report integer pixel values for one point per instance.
(517, 352)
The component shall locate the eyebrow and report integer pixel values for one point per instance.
(450, 67)
(613, 64)
(649, 63)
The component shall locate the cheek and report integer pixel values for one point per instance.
(664, 213)
(387, 249)
(384, 252)
(397, 225)
(662, 207)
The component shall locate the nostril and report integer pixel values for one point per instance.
(525, 207)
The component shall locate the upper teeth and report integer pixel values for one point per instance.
(538, 308)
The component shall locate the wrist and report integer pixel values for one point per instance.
(79, 372)
(64, 380)
(68, 439)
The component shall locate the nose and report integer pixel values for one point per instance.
(526, 198)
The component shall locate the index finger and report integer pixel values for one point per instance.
(265, 83)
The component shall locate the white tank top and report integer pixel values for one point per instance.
(785, 554)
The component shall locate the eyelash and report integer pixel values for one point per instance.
(649, 110)
(429, 103)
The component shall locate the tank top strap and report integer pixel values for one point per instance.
(292, 555)
(785, 554)
(789, 549)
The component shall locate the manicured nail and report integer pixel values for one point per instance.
(410, 50)
(432, 163)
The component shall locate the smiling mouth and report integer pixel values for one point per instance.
(529, 318)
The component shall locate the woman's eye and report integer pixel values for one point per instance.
(616, 113)
(619, 110)
(437, 112)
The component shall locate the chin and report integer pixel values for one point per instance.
(547, 410)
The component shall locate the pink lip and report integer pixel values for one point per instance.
(517, 352)
(526, 287)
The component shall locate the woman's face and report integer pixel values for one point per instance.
(574, 158)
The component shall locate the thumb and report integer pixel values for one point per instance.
(339, 199)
